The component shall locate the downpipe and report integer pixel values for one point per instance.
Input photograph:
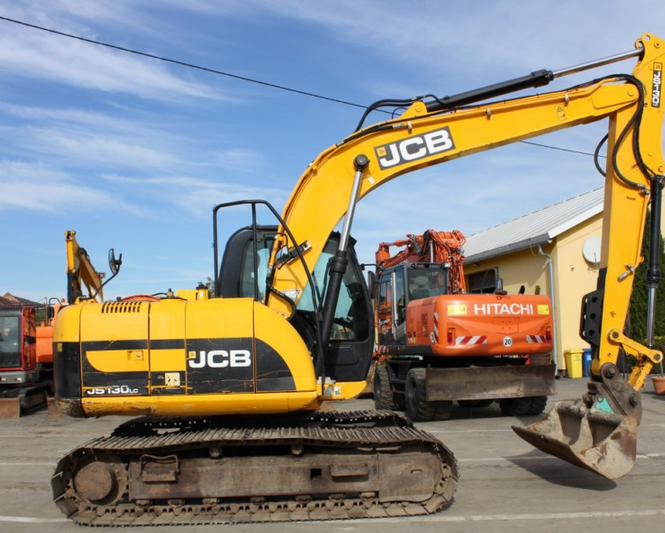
(550, 276)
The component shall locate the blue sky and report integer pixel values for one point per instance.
(133, 153)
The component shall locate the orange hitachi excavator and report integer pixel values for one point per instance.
(223, 389)
(437, 344)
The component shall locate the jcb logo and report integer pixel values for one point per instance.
(657, 84)
(220, 359)
(415, 147)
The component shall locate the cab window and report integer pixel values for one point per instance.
(351, 321)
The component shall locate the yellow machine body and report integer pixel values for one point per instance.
(180, 357)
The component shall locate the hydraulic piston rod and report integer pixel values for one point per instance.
(537, 78)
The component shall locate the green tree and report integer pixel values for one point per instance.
(638, 300)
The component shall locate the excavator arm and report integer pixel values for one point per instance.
(438, 130)
(430, 247)
(80, 271)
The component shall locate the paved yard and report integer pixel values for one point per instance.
(506, 485)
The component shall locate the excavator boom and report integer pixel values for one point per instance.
(433, 132)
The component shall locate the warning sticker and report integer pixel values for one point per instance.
(457, 309)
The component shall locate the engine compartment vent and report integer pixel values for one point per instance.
(121, 307)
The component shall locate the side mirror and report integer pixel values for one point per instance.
(114, 264)
(372, 284)
(499, 287)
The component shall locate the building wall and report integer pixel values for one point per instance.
(526, 268)
(573, 278)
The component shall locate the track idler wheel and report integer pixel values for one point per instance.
(598, 432)
(96, 482)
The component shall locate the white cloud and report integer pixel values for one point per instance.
(35, 187)
(34, 54)
(193, 196)
(74, 138)
(455, 46)
(77, 137)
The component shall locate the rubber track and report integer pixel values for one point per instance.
(341, 430)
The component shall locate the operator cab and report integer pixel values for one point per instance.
(17, 345)
(401, 284)
(9, 340)
(244, 274)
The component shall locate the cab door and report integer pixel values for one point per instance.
(391, 307)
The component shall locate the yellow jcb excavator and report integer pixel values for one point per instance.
(229, 386)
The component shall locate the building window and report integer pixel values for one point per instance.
(483, 282)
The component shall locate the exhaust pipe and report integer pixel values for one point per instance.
(598, 432)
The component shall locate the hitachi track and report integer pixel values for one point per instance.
(316, 466)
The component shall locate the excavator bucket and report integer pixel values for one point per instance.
(10, 408)
(604, 443)
(598, 432)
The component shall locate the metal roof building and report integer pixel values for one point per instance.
(539, 227)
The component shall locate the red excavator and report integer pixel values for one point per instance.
(438, 344)
(26, 362)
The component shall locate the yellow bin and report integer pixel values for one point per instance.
(574, 363)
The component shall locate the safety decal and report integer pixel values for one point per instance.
(457, 309)
(470, 340)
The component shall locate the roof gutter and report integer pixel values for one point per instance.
(525, 244)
